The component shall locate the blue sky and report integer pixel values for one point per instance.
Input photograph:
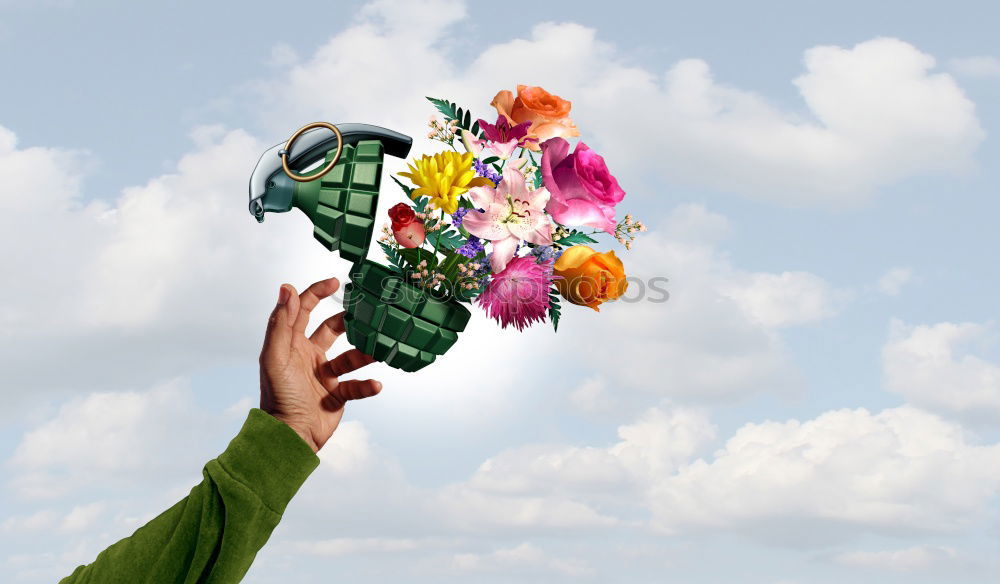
(818, 401)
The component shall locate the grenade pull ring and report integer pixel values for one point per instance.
(283, 153)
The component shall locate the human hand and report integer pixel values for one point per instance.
(298, 385)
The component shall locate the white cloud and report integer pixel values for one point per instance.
(654, 445)
(901, 470)
(784, 299)
(469, 509)
(175, 274)
(592, 396)
(929, 366)
(39, 198)
(109, 439)
(348, 546)
(865, 124)
(982, 66)
(351, 452)
(174, 267)
(177, 246)
(892, 282)
(176, 263)
(82, 517)
(846, 471)
(49, 566)
(688, 339)
(376, 499)
(911, 559)
(695, 223)
(525, 557)
(699, 328)
(282, 55)
(551, 486)
(38, 521)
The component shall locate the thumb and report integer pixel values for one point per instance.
(278, 337)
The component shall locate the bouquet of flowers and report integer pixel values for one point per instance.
(504, 216)
(504, 222)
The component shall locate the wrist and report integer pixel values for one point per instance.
(300, 429)
(306, 437)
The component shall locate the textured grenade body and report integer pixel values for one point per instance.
(396, 322)
(386, 317)
(341, 204)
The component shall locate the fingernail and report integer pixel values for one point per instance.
(282, 294)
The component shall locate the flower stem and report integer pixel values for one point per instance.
(437, 240)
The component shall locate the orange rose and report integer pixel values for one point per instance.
(548, 114)
(590, 278)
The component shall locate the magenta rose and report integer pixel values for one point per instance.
(583, 192)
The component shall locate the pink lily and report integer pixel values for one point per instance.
(510, 213)
(472, 144)
(504, 150)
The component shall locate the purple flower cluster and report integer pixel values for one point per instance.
(472, 247)
(459, 215)
(546, 253)
(483, 169)
(484, 272)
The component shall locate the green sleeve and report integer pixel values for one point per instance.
(212, 535)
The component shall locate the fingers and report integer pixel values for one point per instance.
(328, 331)
(310, 298)
(358, 388)
(348, 361)
(342, 391)
(278, 336)
(350, 390)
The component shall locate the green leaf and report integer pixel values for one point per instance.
(538, 179)
(491, 160)
(397, 263)
(554, 310)
(444, 106)
(452, 112)
(464, 203)
(447, 238)
(575, 238)
(406, 189)
(414, 255)
(421, 204)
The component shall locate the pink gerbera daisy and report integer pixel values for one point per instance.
(519, 294)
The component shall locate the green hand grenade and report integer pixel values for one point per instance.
(387, 318)
(396, 322)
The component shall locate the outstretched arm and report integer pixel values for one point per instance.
(213, 534)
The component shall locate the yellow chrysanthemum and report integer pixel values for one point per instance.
(444, 177)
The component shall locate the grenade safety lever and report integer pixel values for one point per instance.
(271, 189)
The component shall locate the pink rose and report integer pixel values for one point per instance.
(583, 192)
(410, 235)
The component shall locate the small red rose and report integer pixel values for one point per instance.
(401, 214)
(406, 228)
